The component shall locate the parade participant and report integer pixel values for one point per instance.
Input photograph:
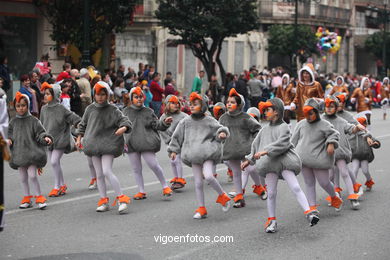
(218, 110)
(384, 96)
(243, 128)
(362, 97)
(198, 141)
(102, 128)
(307, 88)
(313, 136)
(27, 139)
(144, 141)
(286, 93)
(274, 157)
(343, 153)
(362, 154)
(339, 87)
(173, 109)
(57, 121)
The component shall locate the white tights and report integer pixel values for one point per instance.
(151, 161)
(177, 167)
(257, 179)
(356, 164)
(54, 157)
(103, 168)
(205, 170)
(343, 171)
(235, 166)
(92, 171)
(27, 173)
(310, 176)
(271, 180)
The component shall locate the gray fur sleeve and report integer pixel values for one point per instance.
(281, 145)
(177, 139)
(40, 133)
(332, 136)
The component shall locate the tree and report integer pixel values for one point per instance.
(203, 25)
(283, 41)
(374, 45)
(66, 17)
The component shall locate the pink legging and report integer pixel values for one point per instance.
(356, 164)
(103, 168)
(310, 175)
(27, 173)
(207, 171)
(235, 166)
(54, 158)
(151, 161)
(177, 167)
(92, 171)
(257, 179)
(271, 180)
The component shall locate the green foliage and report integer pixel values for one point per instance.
(203, 24)
(374, 45)
(284, 41)
(66, 17)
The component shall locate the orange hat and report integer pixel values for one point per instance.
(45, 86)
(341, 97)
(174, 99)
(233, 92)
(138, 91)
(264, 105)
(329, 101)
(307, 109)
(194, 96)
(362, 120)
(99, 86)
(19, 96)
(216, 110)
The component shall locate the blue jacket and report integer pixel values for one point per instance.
(23, 90)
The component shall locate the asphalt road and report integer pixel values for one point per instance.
(71, 229)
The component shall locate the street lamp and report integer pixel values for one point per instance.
(86, 57)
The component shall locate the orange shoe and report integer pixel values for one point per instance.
(239, 201)
(54, 193)
(223, 199)
(200, 213)
(63, 189)
(181, 180)
(26, 202)
(103, 205)
(41, 201)
(315, 207)
(173, 180)
(338, 189)
(312, 216)
(270, 225)
(167, 192)
(353, 197)
(140, 196)
(123, 200)
(328, 199)
(369, 184)
(92, 184)
(356, 187)
(258, 189)
(336, 202)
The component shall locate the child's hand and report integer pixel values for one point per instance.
(168, 120)
(48, 140)
(330, 149)
(222, 136)
(244, 165)
(173, 156)
(121, 131)
(360, 127)
(370, 141)
(259, 154)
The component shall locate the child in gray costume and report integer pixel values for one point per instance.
(274, 157)
(57, 121)
(198, 140)
(27, 140)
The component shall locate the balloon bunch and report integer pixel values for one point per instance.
(327, 42)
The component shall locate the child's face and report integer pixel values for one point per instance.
(331, 109)
(138, 100)
(339, 81)
(341, 106)
(196, 106)
(21, 107)
(231, 104)
(311, 116)
(48, 96)
(173, 107)
(366, 84)
(306, 76)
(271, 114)
(101, 97)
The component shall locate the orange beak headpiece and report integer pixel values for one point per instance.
(329, 101)
(45, 86)
(194, 96)
(98, 88)
(174, 100)
(264, 105)
(233, 92)
(19, 96)
(306, 110)
(216, 110)
(341, 98)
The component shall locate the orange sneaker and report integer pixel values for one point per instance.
(54, 193)
(63, 189)
(315, 207)
(103, 205)
(167, 192)
(173, 180)
(369, 184)
(140, 196)
(223, 199)
(336, 202)
(356, 188)
(26, 202)
(181, 180)
(239, 201)
(353, 198)
(200, 213)
(312, 216)
(270, 225)
(92, 184)
(123, 200)
(258, 189)
(41, 201)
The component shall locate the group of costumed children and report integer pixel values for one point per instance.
(258, 144)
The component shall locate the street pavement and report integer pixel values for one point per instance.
(71, 229)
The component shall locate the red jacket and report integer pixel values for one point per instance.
(156, 90)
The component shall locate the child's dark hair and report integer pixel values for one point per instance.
(238, 99)
(23, 97)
